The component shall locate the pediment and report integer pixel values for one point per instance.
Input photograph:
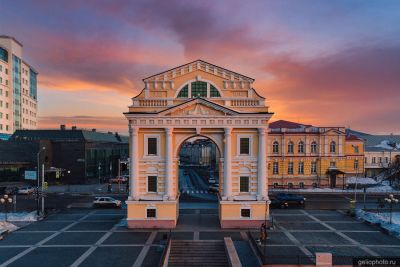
(334, 132)
(198, 107)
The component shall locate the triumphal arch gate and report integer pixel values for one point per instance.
(197, 99)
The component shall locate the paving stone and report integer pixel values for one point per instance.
(21, 238)
(373, 238)
(112, 256)
(127, 238)
(54, 256)
(75, 238)
(293, 218)
(92, 226)
(220, 235)
(330, 218)
(320, 238)
(274, 238)
(352, 226)
(286, 211)
(386, 251)
(65, 217)
(285, 255)
(322, 212)
(302, 226)
(46, 226)
(153, 257)
(175, 236)
(104, 217)
(8, 253)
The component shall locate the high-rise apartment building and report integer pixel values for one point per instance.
(18, 88)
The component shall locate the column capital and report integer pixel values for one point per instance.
(228, 130)
(132, 129)
(168, 130)
(262, 131)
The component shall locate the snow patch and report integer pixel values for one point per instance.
(361, 180)
(386, 144)
(7, 227)
(382, 219)
(19, 216)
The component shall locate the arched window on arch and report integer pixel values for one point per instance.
(214, 92)
(300, 147)
(275, 147)
(184, 93)
(314, 147)
(290, 148)
(199, 89)
(333, 147)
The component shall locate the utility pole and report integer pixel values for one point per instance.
(43, 189)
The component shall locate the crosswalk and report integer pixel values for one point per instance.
(191, 192)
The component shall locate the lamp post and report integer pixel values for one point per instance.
(37, 178)
(6, 200)
(391, 200)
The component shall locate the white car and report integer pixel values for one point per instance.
(106, 202)
(212, 180)
(26, 190)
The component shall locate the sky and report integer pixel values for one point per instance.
(326, 63)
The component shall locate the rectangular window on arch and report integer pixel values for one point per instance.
(244, 184)
(152, 146)
(152, 184)
(244, 146)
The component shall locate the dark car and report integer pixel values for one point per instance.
(276, 203)
(11, 190)
(291, 198)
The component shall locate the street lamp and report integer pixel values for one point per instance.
(6, 200)
(391, 200)
(37, 178)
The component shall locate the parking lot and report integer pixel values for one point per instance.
(87, 237)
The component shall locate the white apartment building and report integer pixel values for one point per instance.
(18, 88)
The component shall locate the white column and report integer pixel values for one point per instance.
(228, 164)
(134, 163)
(168, 189)
(262, 167)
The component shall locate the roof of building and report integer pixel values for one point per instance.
(287, 125)
(12, 38)
(69, 135)
(352, 137)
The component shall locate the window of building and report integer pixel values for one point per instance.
(373, 160)
(184, 93)
(333, 164)
(314, 185)
(290, 168)
(356, 149)
(244, 146)
(314, 147)
(386, 160)
(214, 92)
(1, 126)
(301, 147)
(301, 185)
(152, 146)
(276, 185)
(380, 159)
(333, 147)
(290, 147)
(275, 168)
(275, 147)
(313, 167)
(356, 164)
(152, 184)
(301, 168)
(365, 160)
(245, 213)
(3, 55)
(244, 184)
(151, 213)
(199, 89)
(290, 185)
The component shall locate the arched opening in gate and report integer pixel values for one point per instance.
(198, 171)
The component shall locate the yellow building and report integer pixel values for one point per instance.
(198, 99)
(303, 156)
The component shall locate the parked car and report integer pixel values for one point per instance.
(106, 202)
(26, 190)
(276, 203)
(11, 190)
(214, 188)
(117, 180)
(291, 198)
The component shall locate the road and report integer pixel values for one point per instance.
(193, 187)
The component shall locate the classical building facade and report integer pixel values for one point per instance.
(302, 156)
(198, 99)
(18, 89)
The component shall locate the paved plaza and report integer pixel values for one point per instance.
(89, 237)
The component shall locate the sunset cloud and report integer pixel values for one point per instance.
(325, 63)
